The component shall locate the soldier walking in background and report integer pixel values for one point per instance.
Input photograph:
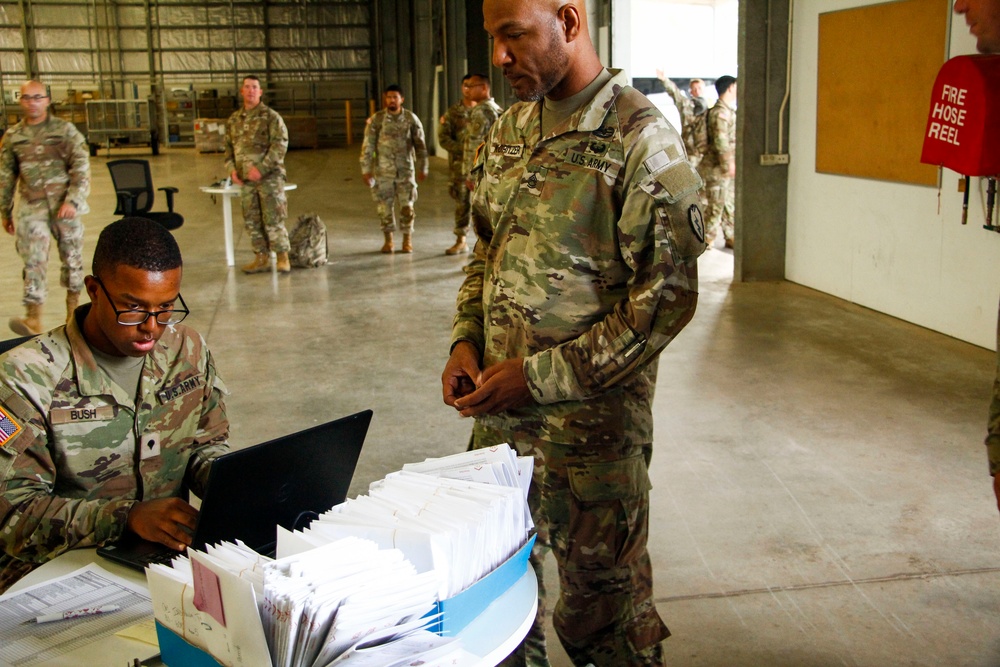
(481, 119)
(48, 159)
(256, 143)
(451, 136)
(718, 167)
(393, 158)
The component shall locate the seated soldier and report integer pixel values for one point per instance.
(107, 421)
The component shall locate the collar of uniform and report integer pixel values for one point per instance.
(723, 103)
(259, 109)
(90, 380)
(590, 116)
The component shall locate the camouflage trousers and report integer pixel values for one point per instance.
(463, 207)
(590, 505)
(36, 226)
(720, 195)
(265, 208)
(386, 193)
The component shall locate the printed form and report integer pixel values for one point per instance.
(27, 644)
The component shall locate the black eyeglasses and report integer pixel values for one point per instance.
(135, 317)
(34, 98)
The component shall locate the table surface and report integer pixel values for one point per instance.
(491, 636)
(235, 189)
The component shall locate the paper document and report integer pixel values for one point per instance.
(90, 586)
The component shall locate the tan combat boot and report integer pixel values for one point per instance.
(72, 301)
(261, 263)
(387, 246)
(282, 264)
(459, 247)
(30, 325)
(407, 243)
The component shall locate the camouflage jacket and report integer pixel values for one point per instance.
(586, 264)
(49, 160)
(257, 137)
(72, 470)
(993, 425)
(451, 136)
(391, 143)
(481, 120)
(721, 138)
(693, 124)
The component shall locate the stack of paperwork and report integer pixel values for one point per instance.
(458, 516)
(361, 585)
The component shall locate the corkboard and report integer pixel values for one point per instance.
(877, 66)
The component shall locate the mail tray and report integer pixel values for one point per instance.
(459, 610)
(176, 652)
(455, 613)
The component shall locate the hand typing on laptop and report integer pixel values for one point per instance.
(108, 421)
(169, 521)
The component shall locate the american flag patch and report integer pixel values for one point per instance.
(8, 427)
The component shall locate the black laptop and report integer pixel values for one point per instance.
(287, 481)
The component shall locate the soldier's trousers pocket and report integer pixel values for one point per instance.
(608, 514)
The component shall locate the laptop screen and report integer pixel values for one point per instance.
(285, 481)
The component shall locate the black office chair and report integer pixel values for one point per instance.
(6, 345)
(134, 187)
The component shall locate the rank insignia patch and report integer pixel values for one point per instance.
(8, 427)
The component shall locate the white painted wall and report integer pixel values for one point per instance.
(884, 245)
(684, 38)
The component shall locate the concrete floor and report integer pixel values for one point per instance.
(820, 490)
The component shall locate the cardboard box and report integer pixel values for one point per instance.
(302, 131)
(210, 135)
(457, 611)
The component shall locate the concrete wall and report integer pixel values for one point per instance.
(884, 245)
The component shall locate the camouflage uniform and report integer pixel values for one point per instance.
(714, 168)
(69, 477)
(50, 163)
(993, 425)
(391, 142)
(451, 136)
(585, 268)
(693, 126)
(258, 137)
(480, 121)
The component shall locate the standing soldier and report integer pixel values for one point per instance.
(692, 111)
(451, 136)
(481, 119)
(585, 270)
(394, 139)
(256, 143)
(983, 19)
(718, 167)
(48, 158)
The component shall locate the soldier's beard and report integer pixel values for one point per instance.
(556, 65)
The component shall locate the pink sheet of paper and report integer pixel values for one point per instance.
(207, 592)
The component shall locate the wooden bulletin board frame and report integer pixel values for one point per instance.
(877, 66)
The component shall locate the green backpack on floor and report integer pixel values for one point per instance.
(307, 242)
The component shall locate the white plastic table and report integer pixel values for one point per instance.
(228, 192)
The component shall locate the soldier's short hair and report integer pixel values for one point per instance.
(724, 83)
(136, 242)
(254, 77)
(395, 88)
